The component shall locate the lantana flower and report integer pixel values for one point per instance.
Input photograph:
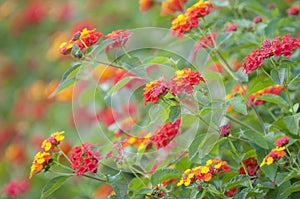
(154, 90)
(275, 90)
(53, 141)
(184, 80)
(280, 142)
(41, 161)
(16, 188)
(118, 38)
(145, 5)
(163, 135)
(85, 158)
(250, 165)
(203, 173)
(171, 6)
(231, 27)
(275, 155)
(281, 45)
(190, 19)
(225, 130)
(83, 39)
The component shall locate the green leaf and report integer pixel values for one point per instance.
(174, 113)
(119, 85)
(193, 148)
(159, 60)
(294, 188)
(52, 185)
(163, 175)
(236, 181)
(271, 27)
(138, 183)
(75, 50)
(270, 171)
(241, 75)
(238, 104)
(292, 123)
(276, 99)
(68, 78)
(278, 75)
(119, 184)
(257, 138)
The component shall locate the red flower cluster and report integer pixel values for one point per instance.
(231, 27)
(294, 10)
(276, 90)
(225, 130)
(163, 135)
(118, 38)
(16, 188)
(83, 39)
(154, 90)
(205, 42)
(280, 142)
(257, 19)
(85, 158)
(171, 6)
(231, 192)
(190, 19)
(251, 166)
(281, 45)
(184, 80)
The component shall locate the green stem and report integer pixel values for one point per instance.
(241, 123)
(65, 155)
(109, 64)
(125, 51)
(226, 65)
(237, 154)
(290, 100)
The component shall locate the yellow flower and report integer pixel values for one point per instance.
(58, 136)
(180, 182)
(46, 145)
(270, 160)
(187, 182)
(209, 162)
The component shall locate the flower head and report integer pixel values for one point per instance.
(205, 42)
(294, 10)
(225, 130)
(203, 173)
(171, 6)
(85, 158)
(273, 156)
(163, 135)
(41, 161)
(185, 22)
(251, 166)
(231, 27)
(184, 80)
(154, 90)
(231, 192)
(257, 19)
(281, 45)
(145, 5)
(280, 142)
(275, 90)
(82, 39)
(118, 38)
(53, 141)
(16, 188)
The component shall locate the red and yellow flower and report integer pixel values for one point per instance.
(50, 143)
(171, 6)
(273, 156)
(41, 160)
(154, 90)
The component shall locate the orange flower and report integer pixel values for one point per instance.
(190, 19)
(145, 5)
(273, 156)
(41, 160)
(276, 90)
(154, 90)
(171, 6)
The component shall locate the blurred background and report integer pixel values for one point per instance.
(30, 69)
